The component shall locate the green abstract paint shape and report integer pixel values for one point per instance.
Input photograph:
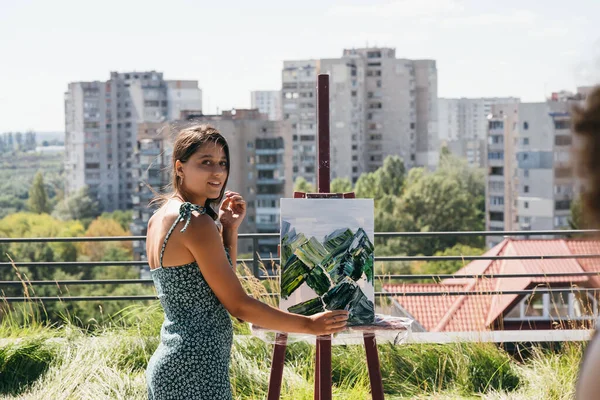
(362, 310)
(311, 252)
(318, 280)
(309, 307)
(292, 276)
(340, 295)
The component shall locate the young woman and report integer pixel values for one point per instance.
(191, 265)
(586, 126)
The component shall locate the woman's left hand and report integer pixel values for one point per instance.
(232, 210)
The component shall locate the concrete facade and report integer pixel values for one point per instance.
(267, 102)
(463, 126)
(183, 96)
(261, 169)
(101, 121)
(533, 149)
(380, 105)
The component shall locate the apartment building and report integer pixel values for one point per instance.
(102, 120)
(261, 170)
(530, 183)
(463, 126)
(267, 102)
(379, 106)
(183, 96)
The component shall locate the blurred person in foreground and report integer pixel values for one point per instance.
(586, 146)
(191, 262)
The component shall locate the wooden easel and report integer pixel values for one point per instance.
(323, 352)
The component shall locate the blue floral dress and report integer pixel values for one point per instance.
(192, 360)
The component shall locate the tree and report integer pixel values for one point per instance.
(386, 180)
(435, 202)
(38, 198)
(301, 185)
(391, 176)
(447, 267)
(106, 251)
(123, 217)
(576, 218)
(26, 225)
(470, 179)
(341, 185)
(367, 186)
(77, 206)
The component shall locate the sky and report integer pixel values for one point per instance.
(522, 48)
(321, 217)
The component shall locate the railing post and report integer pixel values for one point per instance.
(255, 258)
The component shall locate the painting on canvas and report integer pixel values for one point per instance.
(327, 257)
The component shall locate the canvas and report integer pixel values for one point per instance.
(327, 257)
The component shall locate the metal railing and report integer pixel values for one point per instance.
(256, 261)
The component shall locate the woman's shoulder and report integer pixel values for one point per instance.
(166, 214)
(176, 210)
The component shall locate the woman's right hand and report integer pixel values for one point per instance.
(328, 322)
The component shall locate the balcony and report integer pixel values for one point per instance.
(267, 167)
(270, 181)
(149, 152)
(268, 152)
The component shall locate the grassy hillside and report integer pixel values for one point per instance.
(67, 362)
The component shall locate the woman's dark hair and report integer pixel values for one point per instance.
(586, 146)
(188, 141)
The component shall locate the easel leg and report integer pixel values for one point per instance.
(317, 392)
(277, 367)
(325, 368)
(373, 366)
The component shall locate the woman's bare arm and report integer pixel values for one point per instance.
(203, 241)
(230, 239)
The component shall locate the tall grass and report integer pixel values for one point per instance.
(68, 361)
(111, 364)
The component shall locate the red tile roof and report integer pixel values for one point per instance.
(478, 312)
(428, 310)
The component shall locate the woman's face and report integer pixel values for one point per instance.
(205, 172)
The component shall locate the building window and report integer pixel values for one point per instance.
(525, 125)
(525, 141)
(497, 171)
(562, 204)
(554, 306)
(526, 189)
(496, 155)
(562, 140)
(496, 216)
(561, 221)
(526, 173)
(496, 139)
(496, 125)
(526, 204)
(497, 200)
